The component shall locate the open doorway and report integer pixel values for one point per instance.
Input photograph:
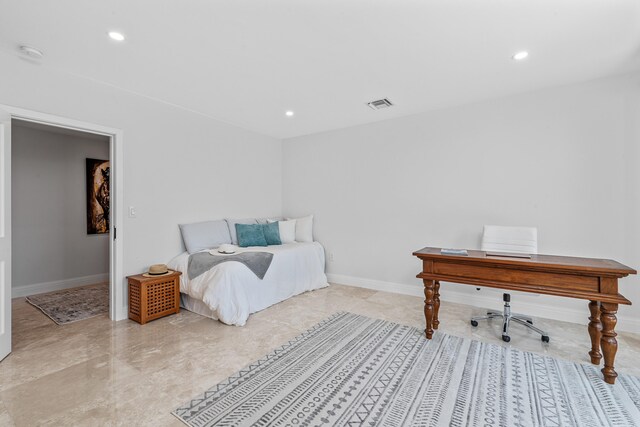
(117, 284)
(60, 228)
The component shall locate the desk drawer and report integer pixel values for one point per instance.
(512, 276)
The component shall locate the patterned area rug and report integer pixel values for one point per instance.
(350, 370)
(71, 305)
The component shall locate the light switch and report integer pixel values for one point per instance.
(132, 212)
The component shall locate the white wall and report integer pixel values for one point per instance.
(564, 160)
(178, 166)
(49, 234)
(378, 191)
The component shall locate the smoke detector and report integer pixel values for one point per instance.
(31, 52)
(380, 104)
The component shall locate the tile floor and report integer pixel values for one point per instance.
(98, 372)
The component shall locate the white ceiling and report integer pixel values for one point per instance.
(246, 62)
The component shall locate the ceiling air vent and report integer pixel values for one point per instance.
(380, 104)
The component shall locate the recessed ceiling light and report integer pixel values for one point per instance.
(119, 37)
(521, 55)
(289, 113)
(31, 52)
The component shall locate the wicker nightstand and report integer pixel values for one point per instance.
(153, 297)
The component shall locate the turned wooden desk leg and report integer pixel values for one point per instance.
(436, 304)
(429, 292)
(595, 331)
(608, 341)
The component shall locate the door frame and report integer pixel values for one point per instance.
(117, 296)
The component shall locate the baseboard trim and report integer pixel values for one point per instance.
(625, 323)
(56, 285)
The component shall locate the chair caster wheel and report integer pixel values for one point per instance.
(530, 322)
(474, 323)
(506, 338)
(545, 338)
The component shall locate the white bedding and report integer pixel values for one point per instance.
(232, 291)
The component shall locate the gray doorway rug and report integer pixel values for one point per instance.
(72, 305)
(351, 370)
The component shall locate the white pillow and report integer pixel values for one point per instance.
(204, 235)
(268, 220)
(304, 228)
(287, 230)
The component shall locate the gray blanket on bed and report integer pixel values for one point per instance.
(258, 262)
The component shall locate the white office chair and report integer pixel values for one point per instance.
(516, 240)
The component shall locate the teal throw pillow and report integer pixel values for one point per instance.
(250, 235)
(272, 233)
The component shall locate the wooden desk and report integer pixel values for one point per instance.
(595, 280)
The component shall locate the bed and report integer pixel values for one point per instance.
(230, 291)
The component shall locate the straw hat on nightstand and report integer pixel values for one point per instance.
(157, 270)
